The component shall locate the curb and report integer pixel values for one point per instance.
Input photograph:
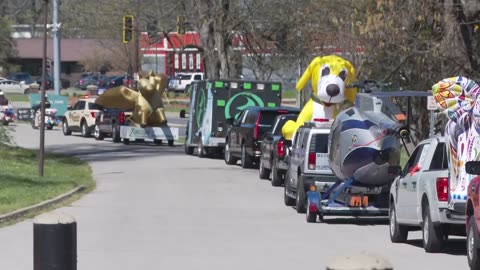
(24, 211)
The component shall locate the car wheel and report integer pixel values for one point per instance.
(301, 198)
(98, 134)
(473, 245)
(398, 233)
(246, 161)
(289, 201)
(86, 132)
(277, 175)
(116, 133)
(66, 130)
(433, 237)
(262, 172)
(229, 159)
(49, 127)
(26, 92)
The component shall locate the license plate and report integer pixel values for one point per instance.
(358, 201)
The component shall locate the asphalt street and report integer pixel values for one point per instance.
(156, 208)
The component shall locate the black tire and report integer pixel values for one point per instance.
(49, 127)
(289, 201)
(301, 197)
(126, 141)
(171, 142)
(262, 172)
(229, 159)
(246, 160)
(277, 175)
(116, 133)
(398, 233)
(66, 130)
(311, 217)
(473, 244)
(99, 136)
(433, 236)
(27, 91)
(157, 142)
(188, 149)
(86, 132)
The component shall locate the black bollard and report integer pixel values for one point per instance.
(54, 242)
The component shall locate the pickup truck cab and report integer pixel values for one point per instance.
(182, 81)
(419, 198)
(274, 150)
(245, 133)
(308, 164)
(108, 122)
(81, 117)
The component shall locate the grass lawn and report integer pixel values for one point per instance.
(20, 185)
(17, 97)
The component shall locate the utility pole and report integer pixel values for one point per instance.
(41, 155)
(137, 39)
(56, 47)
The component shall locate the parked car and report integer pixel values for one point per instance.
(81, 117)
(473, 215)
(308, 164)
(182, 81)
(9, 86)
(245, 133)
(274, 150)
(117, 81)
(64, 83)
(419, 198)
(20, 77)
(108, 122)
(89, 79)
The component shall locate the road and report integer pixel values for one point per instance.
(156, 208)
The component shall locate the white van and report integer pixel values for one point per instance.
(181, 81)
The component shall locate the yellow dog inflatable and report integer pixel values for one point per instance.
(329, 76)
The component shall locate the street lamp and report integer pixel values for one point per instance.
(41, 155)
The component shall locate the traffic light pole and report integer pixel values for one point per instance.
(137, 33)
(56, 48)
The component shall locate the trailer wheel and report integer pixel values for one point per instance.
(433, 237)
(188, 149)
(200, 149)
(170, 143)
(310, 216)
(157, 142)
(126, 141)
(473, 244)
(398, 233)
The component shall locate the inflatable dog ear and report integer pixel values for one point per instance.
(336, 65)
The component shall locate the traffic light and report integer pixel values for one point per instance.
(152, 30)
(181, 25)
(127, 28)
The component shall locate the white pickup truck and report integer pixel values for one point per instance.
(182, 81)
(419, 198)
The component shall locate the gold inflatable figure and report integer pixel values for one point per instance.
(146, 104)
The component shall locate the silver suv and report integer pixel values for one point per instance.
(308, 164)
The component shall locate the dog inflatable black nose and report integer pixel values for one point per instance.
(333, 90)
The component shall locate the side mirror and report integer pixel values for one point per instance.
(230, 121)
(473, 167)
(394, 170)
(182, 114)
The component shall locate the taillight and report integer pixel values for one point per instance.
(121, 118)
(93, 114)
(255, 132)
(281, 148)
(312, 159)
(442, 189)
(219, 126)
